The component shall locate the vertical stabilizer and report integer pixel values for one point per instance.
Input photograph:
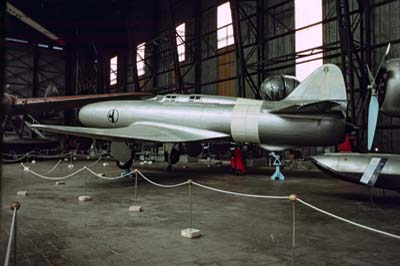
(326, 83)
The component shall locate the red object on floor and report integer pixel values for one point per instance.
(238, 158)
(233, 165)
(345, 146)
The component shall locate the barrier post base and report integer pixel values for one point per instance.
(135, 208)
(59, 183)
(191, 233)
(85, 198)
(22, 193)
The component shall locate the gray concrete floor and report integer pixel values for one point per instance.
(54, 228)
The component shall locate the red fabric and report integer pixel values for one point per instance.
(239, 165)
(345, 146)
(233, 163)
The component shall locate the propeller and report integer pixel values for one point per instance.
(373, 108)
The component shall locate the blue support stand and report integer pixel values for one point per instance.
(125, 172)
(277, 163)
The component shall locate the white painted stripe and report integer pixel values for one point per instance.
(244, 121)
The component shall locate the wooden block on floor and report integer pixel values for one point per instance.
(22, 193)
(85, 198)
(135, 208)
(191, 233)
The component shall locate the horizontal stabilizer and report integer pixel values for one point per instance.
(307, 107)
(144, 131)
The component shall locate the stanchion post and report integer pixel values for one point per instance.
(136, 207)
(190, 203)
(190, 232)
(136, 187)
(292, 199)
(13, 234)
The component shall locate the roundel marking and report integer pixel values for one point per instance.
(113, 115)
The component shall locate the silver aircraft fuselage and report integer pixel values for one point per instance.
(246, 120)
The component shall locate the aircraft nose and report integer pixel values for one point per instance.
(87, 115)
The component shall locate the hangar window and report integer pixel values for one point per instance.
(180, 41)
(224, 25)
(140, 59)
(308, 12)
(113, 70)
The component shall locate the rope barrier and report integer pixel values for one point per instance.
(75, 173)
(208, 188)
(52, 178)
(161, 185)
(346, 220)
(53, 168)
(108, 178)
(16, 159)
(239, 194)
(273, 197)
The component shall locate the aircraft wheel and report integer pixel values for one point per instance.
(125, 165)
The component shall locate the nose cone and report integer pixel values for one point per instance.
(90, 114)
(391, 104)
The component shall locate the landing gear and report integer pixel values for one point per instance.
(128, 164)
(172, 157)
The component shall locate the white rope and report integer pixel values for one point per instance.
(94, 163)
(53, 168)
(273, 197)
(52, 178)
(44, 176)
(55, 156)
(108, 178)
(15, 160)
(346, 220)
(239, 194)
(161, 185)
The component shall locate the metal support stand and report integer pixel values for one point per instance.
(292, 199)
(136, 207)
(277, 163)
(371, 197)
(190, 232)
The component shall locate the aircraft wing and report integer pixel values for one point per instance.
(58, 103)
(144, 131)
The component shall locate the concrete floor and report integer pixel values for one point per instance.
(54, 228)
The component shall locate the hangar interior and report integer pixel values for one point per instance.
(196, 47)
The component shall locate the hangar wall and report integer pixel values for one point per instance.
(209, 70)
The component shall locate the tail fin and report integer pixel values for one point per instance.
(324, 83)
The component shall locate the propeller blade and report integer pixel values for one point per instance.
(372, 119)
(370, 76)
(383, 60)
(387, 49)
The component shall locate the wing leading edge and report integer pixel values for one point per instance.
(144, 131)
